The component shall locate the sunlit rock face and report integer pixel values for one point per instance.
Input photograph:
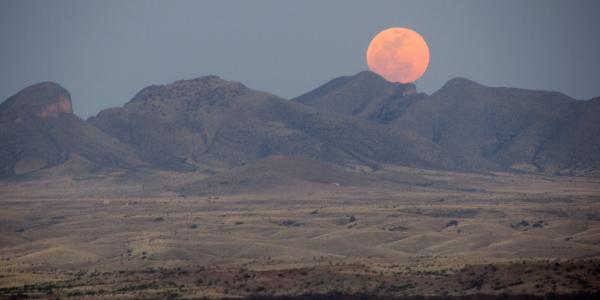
(52, 110)
(43, 100)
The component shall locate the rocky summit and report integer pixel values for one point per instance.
(39, 131)
(42, 100)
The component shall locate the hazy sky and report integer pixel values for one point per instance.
(104, 52)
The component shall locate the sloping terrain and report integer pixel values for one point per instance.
(490, 128)
(38, 130)
(280, 173)
(365, 94)
(479, 127)
(574, 146)
(210, 122)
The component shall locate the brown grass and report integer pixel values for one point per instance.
(463, 234)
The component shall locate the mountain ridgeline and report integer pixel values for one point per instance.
(479, 127)
(212, 124)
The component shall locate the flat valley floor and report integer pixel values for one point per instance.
(451, 234)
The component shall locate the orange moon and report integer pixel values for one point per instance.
(398, 55)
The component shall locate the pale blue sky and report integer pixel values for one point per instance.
(104, 52)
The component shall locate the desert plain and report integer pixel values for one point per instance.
(408, 232)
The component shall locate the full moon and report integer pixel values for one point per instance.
(398, 55)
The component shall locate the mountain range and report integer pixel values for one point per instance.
(212, 125)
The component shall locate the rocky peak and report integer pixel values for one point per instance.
(43, 100)
(360, 94)
(369, 77)
(206, 87)
(460, 82)
(458, 88)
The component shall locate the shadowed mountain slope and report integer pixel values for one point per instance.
(210, 122)
(506, 128)
(574, 145)
(479, 127)
(38, 130)
(365, 94)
